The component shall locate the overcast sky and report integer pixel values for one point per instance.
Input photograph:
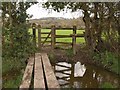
(38, 12)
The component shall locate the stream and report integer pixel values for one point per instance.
(90, 76)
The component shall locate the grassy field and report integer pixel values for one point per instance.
(62, 32)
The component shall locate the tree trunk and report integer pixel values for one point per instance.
(86, 20)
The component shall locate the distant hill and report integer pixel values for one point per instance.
(59, 22)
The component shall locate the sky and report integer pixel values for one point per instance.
(38, 12)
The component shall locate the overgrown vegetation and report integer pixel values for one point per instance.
(16, 53)
(109, 60)
(16, 41)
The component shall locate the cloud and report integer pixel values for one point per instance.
(39, 12)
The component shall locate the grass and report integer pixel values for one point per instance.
(106, 85)
(111, 58)
(11, 64)
(62, 32)
(13, 83)
(11, 73)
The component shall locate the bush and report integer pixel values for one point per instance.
(16, 51)
(21, 45)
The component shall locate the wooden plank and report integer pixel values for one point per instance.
(46, 38)
(69, 36)
(50, 76)
(63, 36)
(57, 28)
(39, 37)
(45, 32)
(74, 39)
(64, 28)
(60, 28)
(79, 35)
(38, 72)
(53, 33)
(26, 81)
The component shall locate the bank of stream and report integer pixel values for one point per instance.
(93, 77)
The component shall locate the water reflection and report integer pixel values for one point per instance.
(79, 70)
(91, 77)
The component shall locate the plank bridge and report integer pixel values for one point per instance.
(39, 74)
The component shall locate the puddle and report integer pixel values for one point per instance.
(83, 75)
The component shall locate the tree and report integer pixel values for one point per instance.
(98, 18)
(16, 39)
(102, 29)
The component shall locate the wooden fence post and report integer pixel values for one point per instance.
(39, 37)
(74, 40)
(34, 33)
(53, 36)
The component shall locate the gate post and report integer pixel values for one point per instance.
(34, 33)
(53, 36)
(39, 37)
(74, 40)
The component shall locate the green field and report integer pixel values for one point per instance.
(62, 32)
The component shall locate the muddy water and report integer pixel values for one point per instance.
(93, 76)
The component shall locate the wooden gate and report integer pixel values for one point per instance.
(52, 36)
